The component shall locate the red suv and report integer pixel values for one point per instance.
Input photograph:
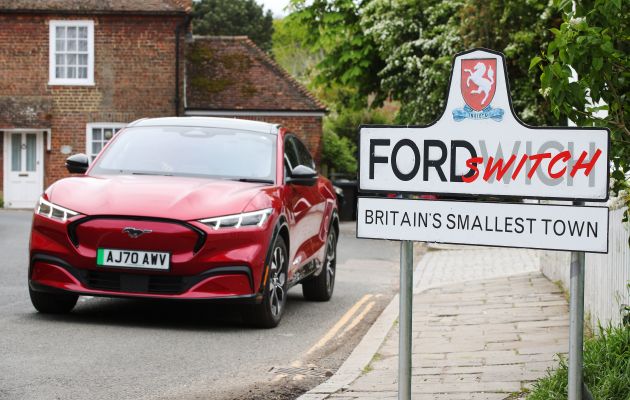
(188, 208)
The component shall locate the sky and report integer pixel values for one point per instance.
(276, 6)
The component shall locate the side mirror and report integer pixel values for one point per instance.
(302, 175)
(77, 163)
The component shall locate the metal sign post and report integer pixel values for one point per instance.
(576, 324)
(405, 318)
(479, 147)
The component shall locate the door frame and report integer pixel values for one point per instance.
(42, 144)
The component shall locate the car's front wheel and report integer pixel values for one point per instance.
(53, 303)
(320, 288)
(268, 313)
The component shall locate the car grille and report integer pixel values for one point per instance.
(122, 282)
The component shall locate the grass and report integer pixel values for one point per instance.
(518, 395)
(565, 292)
(370, 366)
(606, 369)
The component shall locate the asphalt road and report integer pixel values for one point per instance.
(130, 349)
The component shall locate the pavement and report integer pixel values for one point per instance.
(486, 324)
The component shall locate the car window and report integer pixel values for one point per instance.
(291, 158)
(303, 154)
(191, 151)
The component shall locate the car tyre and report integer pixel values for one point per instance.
(53, 303)
(269, 312)
(320, 288)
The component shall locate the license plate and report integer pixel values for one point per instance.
(133, 259)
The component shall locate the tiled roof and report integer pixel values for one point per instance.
(98, 6)
(232, 73)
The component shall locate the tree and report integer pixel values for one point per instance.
(232, 18)
(403, 50)
(351, 61)
(290, 50)
(338, 153)
(586, 70)
(341, 136)
(521, 30)
(417, 40)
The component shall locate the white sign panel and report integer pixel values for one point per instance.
(478, 147)
(536, 226)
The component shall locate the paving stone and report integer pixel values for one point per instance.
(485, 324)
(467, 387)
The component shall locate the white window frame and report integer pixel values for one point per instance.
(52, 79)
(100, 125)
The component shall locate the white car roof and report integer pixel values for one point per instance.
(209, 122)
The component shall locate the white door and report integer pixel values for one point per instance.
(23, 168)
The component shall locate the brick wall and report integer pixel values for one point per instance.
(134, 69)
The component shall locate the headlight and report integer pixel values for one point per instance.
(53, 211)
(255, 218)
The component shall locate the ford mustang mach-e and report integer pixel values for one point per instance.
(188, 208)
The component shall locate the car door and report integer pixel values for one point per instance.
(303, 203)
(315, 198)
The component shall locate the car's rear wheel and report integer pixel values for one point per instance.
(269, 312)
(53, 303)
(320, 288)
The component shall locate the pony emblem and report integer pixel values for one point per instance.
(478, 86)
(134, 232)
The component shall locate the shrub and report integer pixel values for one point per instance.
(606, 368)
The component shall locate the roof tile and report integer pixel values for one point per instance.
(232, 73)
(98, 6)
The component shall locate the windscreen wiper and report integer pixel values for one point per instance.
(150, 173)
(253, 180)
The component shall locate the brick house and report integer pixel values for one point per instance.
(72, 73)
(229, 76)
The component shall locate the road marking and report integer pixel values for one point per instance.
(358, 318)
(342, 321)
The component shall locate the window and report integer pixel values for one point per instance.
(304, 155)
(98, 135)
(71, 52)
(291, 159)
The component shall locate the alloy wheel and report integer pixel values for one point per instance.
(277, 282)
(331, 250)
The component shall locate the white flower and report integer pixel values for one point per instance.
(574, 21)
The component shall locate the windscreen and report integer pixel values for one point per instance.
(191, 151)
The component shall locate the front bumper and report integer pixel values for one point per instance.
(53, 275)
(227, 264)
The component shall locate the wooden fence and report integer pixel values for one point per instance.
(607, 275)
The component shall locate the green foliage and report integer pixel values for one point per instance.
(520, 31)
(606, 369)
(340, 138)
(338, 153)
(626, 311)
(351, 60)
(403, 50)
(346, 123)
(1, 202)
(417, 40)
(290, 50)
(233, 18)
(594, 41)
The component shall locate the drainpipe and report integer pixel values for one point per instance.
(183, 25)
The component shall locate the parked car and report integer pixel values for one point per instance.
(188, 208)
